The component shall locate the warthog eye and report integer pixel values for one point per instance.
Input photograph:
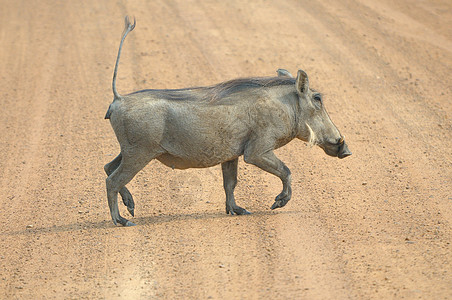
(317, 101)
(318, 97)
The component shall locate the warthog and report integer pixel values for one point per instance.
(200, 127)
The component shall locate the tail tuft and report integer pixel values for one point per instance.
(128, 26)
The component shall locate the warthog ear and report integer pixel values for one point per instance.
(284, 72)
(302, 83)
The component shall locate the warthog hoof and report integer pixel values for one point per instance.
(123, 221)
(280, 201)
(237, 210)
(131, 211)
(128, 223)
(127, 199)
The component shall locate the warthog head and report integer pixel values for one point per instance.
(315, 125)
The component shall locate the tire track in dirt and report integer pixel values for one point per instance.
(22, 162)
(376, 225)
(409, 175)
(167, 237)
(62, 116)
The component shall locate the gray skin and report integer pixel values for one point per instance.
(202, 127)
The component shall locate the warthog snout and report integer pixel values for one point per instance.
(338, 149)
(343, 150)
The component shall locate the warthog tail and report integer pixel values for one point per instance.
(127, 28)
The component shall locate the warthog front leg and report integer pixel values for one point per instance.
(269, 162)
(229, 169)
(126, 196)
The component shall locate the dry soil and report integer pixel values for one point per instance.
(376, 225)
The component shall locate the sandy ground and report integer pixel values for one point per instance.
(376, 225)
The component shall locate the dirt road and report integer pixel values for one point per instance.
(376, 225)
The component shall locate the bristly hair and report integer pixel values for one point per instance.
(219, 91)
(227, 88)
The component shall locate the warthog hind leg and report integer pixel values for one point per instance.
(270, 163)
(229, 169)
(131, 164)
(126, 196)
